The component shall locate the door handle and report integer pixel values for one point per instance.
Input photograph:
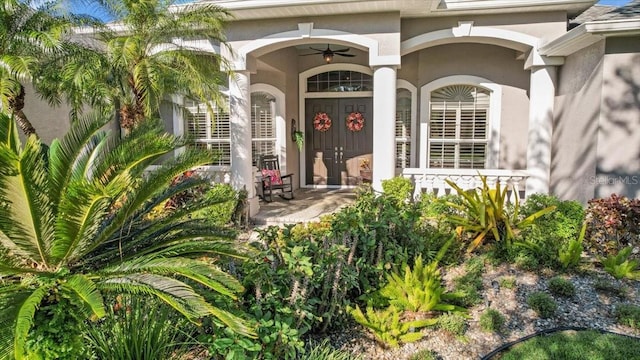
(335, 154)
(341, 154)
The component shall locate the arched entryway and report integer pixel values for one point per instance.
(333, 156)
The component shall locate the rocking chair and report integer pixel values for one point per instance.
(272, 179)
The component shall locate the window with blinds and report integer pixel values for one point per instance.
(209, 130)
(263, 125)
(403, 128)
(458, 127)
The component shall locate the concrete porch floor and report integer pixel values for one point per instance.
(307, 205)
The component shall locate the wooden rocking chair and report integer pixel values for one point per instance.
(272, 179)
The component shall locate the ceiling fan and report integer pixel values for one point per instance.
(328, 54)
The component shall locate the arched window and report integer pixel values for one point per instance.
(263, 125)
(403, 128)
(458, 127)
(339, 81)
(209, 129)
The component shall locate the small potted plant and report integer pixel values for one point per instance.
(366, 173)
(298, 137)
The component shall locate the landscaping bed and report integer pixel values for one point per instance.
(593, 306)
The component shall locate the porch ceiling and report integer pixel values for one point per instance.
(264, 9)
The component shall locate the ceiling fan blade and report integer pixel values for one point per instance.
(345, 55)
(341, 50)
(316, 49)
(310, 54)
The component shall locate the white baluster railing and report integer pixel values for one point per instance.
(433, 180)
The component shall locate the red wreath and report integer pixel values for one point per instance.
(322, 122)
(355, 121)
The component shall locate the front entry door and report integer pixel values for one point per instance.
(333, 157)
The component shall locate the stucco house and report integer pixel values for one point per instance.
(526, 91)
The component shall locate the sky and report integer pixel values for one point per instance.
(79, 7)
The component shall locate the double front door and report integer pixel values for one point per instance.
(334, 157)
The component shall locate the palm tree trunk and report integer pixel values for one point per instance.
(16, 105)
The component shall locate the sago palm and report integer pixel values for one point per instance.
(148, 54)
(74, 225)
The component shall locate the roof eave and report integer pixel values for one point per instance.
(588, 34)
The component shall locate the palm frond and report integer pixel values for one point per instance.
(196, 270)
(85, 290)
(31, 208)
(24, 320)
(67, 154)
(174, 292)
(11, 298)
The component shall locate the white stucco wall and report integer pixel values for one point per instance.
(577, 108)
(618, 151)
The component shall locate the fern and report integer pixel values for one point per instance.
(420, 289)
(571, 256)
(619, 266)
(387, 326)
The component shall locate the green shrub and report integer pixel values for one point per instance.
(424, 354)
(542, 304)
(612, 224)
(398, 188)
(629, 315)
(561, 287)
(552, 232)
(453, 323)
(508, 282)
(57, 332)
(492, 320)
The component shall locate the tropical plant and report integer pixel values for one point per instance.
(388, 327)
(72, 227)
(30, 32)
(419, 289)
(149, 56)
(620, 266)
(486, 215)
(136, 328)
(570, 255)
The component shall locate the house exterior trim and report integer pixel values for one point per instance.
(466, 32)
(588, 34)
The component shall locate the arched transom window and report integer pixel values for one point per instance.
(339, 81)
(458, 127)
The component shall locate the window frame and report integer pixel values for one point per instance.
(493, 120)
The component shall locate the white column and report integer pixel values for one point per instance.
(242, 176)
(541, 99)
(384, 119)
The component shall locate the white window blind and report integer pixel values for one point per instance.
(458, 127)
(263, 125)
(403, 128)
(209, 130)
